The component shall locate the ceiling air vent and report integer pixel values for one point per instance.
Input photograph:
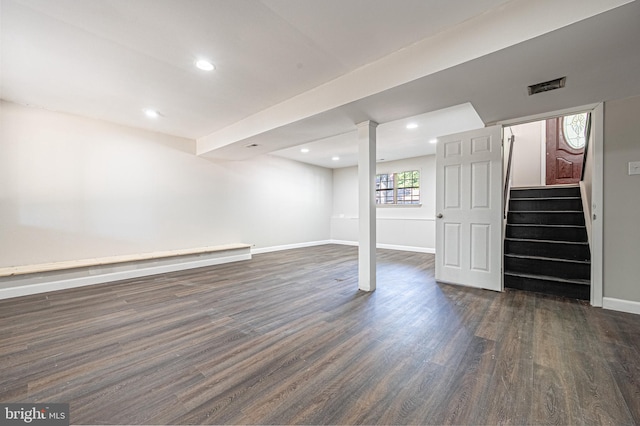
(547, 85)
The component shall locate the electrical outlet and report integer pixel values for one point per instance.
(634, 168)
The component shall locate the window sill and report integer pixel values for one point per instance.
(400, 206)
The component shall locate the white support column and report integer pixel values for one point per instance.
(367, 205)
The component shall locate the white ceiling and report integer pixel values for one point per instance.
(110, 59)
(394, 140)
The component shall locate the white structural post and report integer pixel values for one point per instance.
(367, 205)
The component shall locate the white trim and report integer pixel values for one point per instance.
(543, 153)
(388, 246)
(597, 202)
(621, 305)
(546, 115)
(416, 219)
(289, 246)
(407, 248)
(401, 206)
(344, 242)
(66, 283)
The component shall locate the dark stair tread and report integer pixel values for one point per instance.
(561, 186)
(550, 278)
(552, 217)
(546, 211)
(551, 259)
(545, 225)
(545, 204)
(546, 191)
(549, 287)
(533, 240)
(544, 198)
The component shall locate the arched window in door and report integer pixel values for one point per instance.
(574, 127)
(565, 148)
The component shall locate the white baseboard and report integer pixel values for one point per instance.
(621, 305)
(389, 246)
(344, 242)
(289, 246)
(61, 283)
(407, 248)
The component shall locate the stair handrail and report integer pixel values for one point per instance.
(507, 182)
(586, 145)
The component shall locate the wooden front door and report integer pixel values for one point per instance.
(564, 157)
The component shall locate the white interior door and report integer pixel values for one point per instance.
(469, 208)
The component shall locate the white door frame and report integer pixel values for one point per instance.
(597, 196)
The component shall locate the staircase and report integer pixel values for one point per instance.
(546, 248)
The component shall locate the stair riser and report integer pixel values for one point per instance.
(546, 204)
(550, 268)
(573, 218)
(543, 249)
(574, 291)
(545, 193)
(542, 233)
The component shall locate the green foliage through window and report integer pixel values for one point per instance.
(398, 188)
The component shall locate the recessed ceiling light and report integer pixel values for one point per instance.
(151, 113)
(205, 65)
(433, 141)
(304, 150)
(412, 126)
(335, 158)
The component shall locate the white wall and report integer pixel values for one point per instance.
(75, 188)
(621, 204)
(410, 228)
(527, 163)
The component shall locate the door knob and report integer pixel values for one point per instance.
(439, 216)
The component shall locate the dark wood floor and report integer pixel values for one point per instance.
(287, 338)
